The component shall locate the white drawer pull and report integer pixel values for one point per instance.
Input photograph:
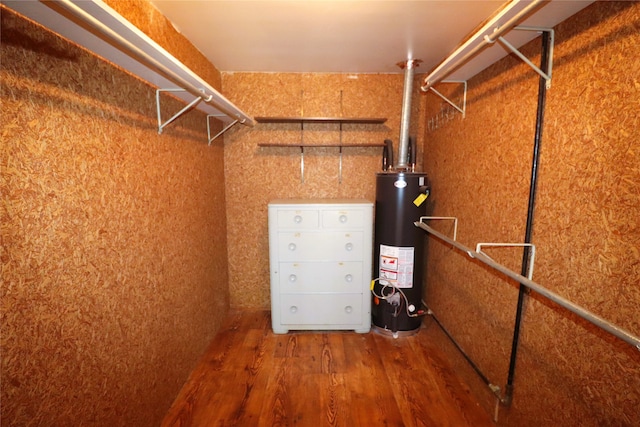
(348, 278)
(348, 309)
(343, 219)
(292, 246)
(297, 219)
(292, 278)
(293, 309)
(349, 247)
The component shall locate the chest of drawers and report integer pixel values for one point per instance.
(320, 254)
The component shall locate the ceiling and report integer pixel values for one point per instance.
(344, 36)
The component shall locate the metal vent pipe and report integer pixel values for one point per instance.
(403, 145)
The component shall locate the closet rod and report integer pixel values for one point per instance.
(483, 37)
(211, 97)
(585, 314)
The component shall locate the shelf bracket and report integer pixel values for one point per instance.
(189, 106)
(340, 167)
(302, 152)
(545, 74)
(340, 157)
(462, 109)
(302, 164)
(226, 128)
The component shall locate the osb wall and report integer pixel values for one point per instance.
(256, 175)
(586, 228)
(114, 276)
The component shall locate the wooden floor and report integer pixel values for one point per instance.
(252, 377)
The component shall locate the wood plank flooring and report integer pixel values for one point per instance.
(253, 377)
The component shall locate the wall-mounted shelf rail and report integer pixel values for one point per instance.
(527, 283)
(356, 120)
(322, 120)
(507, 18)
(585, 314)
(302, 146)
(504, 21)
(101, 30)
(329, 145)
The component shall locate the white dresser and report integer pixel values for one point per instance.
(320, 253)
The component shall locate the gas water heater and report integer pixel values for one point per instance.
(401, 195)
(398, 251)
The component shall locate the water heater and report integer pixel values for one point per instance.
(398, 251)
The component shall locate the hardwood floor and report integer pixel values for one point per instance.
(253, 377)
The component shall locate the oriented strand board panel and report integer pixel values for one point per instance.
(114, 275)
(255, 175)
(586, 223)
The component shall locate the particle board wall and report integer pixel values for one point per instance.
(255, 175)
(114, 275)
(586, 228)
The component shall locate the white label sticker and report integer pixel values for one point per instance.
(400, 184)
(396, 265)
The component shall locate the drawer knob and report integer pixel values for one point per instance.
(292, 246)
(343, 219)
(349, 247)
(297, 219)
(292, 277)
(293, 309)
(348, 278)
(348, 309)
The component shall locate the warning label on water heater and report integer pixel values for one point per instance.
(396, 265)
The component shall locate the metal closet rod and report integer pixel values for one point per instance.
(215, 99)
(452, 62)
(585, 314)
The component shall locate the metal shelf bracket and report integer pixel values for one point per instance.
(226, 128)
(340, 161)
(545, 74)
(462, 109)
(301, 152)
(301, 164)
(453, 218)
(186, 108)
(189, 106)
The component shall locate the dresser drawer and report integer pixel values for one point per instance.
(343, 218)
(299, 219)
(321, 309)
(321, 277)
(320, 246)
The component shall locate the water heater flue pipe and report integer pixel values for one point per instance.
(403, 145)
